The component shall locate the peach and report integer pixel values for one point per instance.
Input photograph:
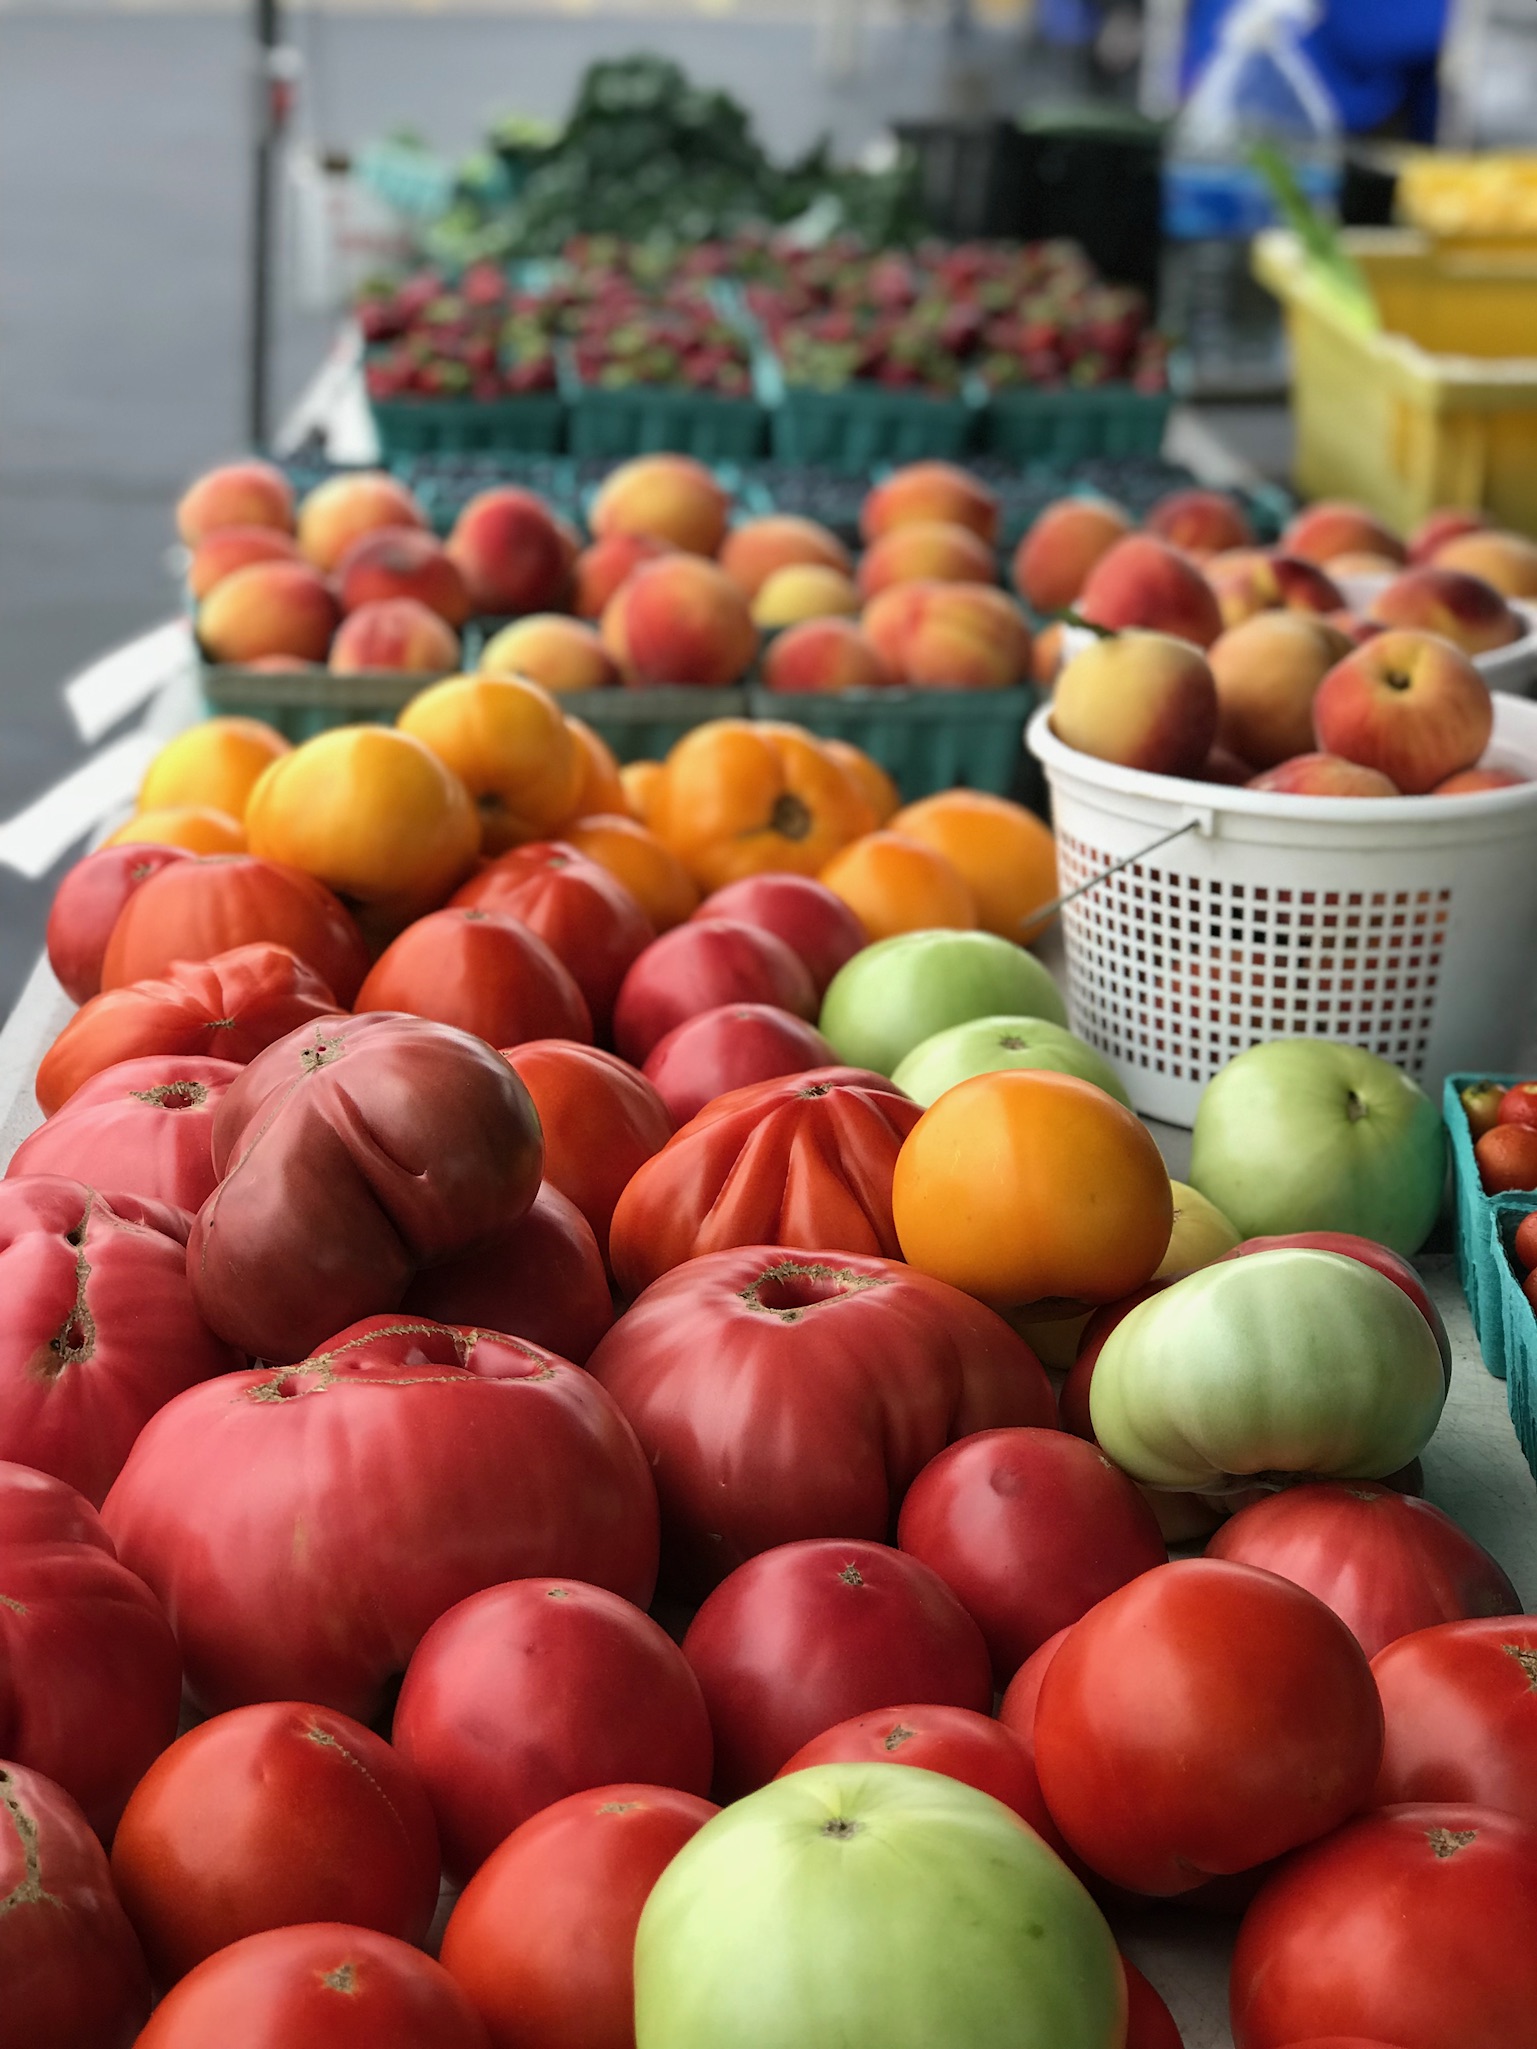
(1142, 581)
(931, 549)
(1248, 581)
(1356, 629)
(1052, 562)
(950, 636)
(1046, 655)
(825, 654)
(1201, 522)
(1446, 523)
(267, 608)
(396, 634)
(806, 590)
(1407, 704)
(600, 569)
(1335, 527)
(1508, 561)
(557, 653)
(1361, 563)
(1463, 609)
(1146, 700)
(680, 620)
(510, 552)
(1267, 671)
(671, 497)
(345, 507)
(1324, 775)
(403, 562)
(1468, 782)
(752, 553)
(229, 548)
(929, 491)
(236, 494)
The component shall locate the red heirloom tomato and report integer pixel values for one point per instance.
(1385, 1563)
(482, 973)
(351, 1154)
(804, 1160)
(814, 923)
(306, 1525)
(1016, 1710)
(811, 1634)
(1370, 1253)
(541, 1278)
(542, 1939)
(1412, 1926)
(600, 1121)
(728, 1048)
(71, 1969)
(789, 1394)
(90, 1676)
(231, 1007)
(144, 1126)
(1201, 1720)
(584, 915)
(321, 1986)
(1149, 2023)
(536, 1689)
(699, 966)
(196, 909)
(955, 1741)
(100, 1328)
(269, 1816)
(1073, 1402)
(88, 903)
(1459, 1702)
(1028, 1529)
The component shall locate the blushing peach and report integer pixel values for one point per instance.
(931, 550)
(345, 507)
(671, 497)
(229, 548)
(1508, 561)
(1201, 522)
(1249, 581)
(805, 590)
(1334, 527)
(1052, 562)
(267, 608)
(928, 491)
(1469, 782)
(511, 554)
(825, 655)
(236, 494)
(680, 620)
(751, 553)
(1463, 609)
(403, 562)
(1144, 582)
(1046, 655)
(601, 569)
(396, 634)
(950, 636)
(1267, 671)
(1445, 524)
(1325, 775)
(1146, 700)
(555, 652)
(1407, 704)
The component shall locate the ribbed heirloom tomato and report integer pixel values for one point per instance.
(88, 903)
(740, 798)
(144, 1127)
(482, 973)
(806, 1160)
(578, 1090)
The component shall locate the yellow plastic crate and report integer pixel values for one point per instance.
(1440, 406)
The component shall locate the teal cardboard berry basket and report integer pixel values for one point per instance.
(662, 419)
(926, 740)
(866, 426)
(1067, 426)
(1503, 1319)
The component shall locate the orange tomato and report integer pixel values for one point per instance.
(641, 780)
(867, 776)
(1028, 1186)
(215, 765)
(196, 826)
(1005, 852)
(601, 787)
(893, 884)
(508, 743)
(375, 815)
(740, 798)
(652, 873)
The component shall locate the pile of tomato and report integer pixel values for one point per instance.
(562, 1434)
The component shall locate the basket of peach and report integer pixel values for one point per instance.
(1282, 814)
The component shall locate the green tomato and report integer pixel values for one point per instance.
(899, 992)
(1306, 1135)
(1291, 1361)
(989, 1044)
(873, 1906)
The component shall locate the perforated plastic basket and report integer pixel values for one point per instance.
(1407, 925)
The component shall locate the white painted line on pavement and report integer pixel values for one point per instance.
(128, 677)
(35, 838)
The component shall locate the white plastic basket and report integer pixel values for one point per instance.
(1405, 924)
